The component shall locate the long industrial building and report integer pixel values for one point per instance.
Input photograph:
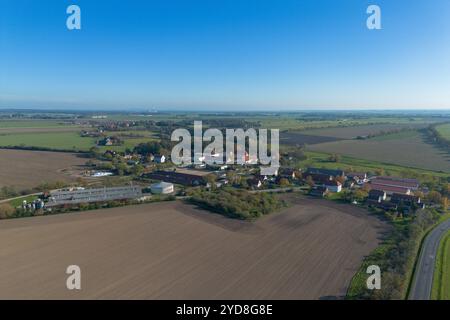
(93, 195)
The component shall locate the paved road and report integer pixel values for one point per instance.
(423, 278)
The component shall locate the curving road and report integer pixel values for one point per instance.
(423, 276)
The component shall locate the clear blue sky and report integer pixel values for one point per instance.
(225, 55)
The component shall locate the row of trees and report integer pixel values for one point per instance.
(396, 258)
(7, 192)
(437, 137)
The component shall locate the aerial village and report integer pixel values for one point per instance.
(155, 177)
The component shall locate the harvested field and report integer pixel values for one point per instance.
(27, 169)
(405, 149)
(170, 250)
(298, 138)
(355, 131)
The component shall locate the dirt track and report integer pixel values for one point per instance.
(27, 169)
(171, 250)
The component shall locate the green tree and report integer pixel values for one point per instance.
(360, 195)
(6, 210)
(335, 157)
(309, 181)
(284, 182)
(434, 197)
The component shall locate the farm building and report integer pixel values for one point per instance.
(319, 178)
(162, 188)
(109, 141)
(185, 179)
(411, 184)
(97, 174)
(62, 197)
(318, 192)
(358, 177)
(377, 195)
(269, 171)
(333, 186)
(329, 172)
(390, 190)
(405, 199)
(254, 182)
(287, 173)
(160, 159)
(386, 205)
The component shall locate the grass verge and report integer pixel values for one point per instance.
(441, 280)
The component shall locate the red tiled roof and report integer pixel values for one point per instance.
(389, 188)
(406, 183)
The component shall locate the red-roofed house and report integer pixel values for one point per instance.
(389, 189)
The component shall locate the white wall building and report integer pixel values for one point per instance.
(160, 159)
(162, 188)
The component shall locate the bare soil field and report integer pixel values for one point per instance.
(355, 131)
(27, 169)
(298, 138)
(409, 150)
(171, 250)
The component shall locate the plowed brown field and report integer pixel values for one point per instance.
(171, 250)
(27, 169)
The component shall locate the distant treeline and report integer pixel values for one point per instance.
(7, 192)
(34, 148)
(386, 132)
(436, 137)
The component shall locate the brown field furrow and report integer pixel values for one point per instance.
(174, 251)
(27, 169)
(410, 151)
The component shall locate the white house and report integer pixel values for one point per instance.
(162, 188)
(333, 186)
(160, 159)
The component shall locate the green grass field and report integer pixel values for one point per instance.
(53, 140)
(441, 281)
(320, 160)
(18, 202)
(444, 130)
(32, 124)
(67, 141)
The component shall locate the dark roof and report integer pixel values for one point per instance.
(333, 183)
(320, 178)
(397, 198)
(176, 177)
(386, 205)
(318, 191)
(376, 193)
(356, 174)
(254, 181)
(334, 173)
(287, 171)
